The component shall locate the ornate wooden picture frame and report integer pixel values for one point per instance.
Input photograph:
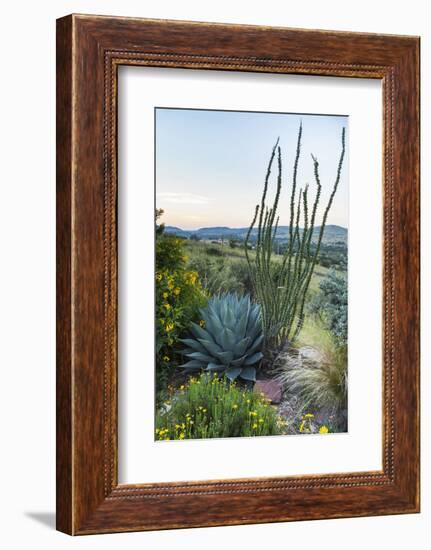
(89, 51)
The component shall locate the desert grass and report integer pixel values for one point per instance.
(321, 385)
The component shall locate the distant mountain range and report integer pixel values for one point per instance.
(333, 233)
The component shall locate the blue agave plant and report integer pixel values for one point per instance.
(229, 339)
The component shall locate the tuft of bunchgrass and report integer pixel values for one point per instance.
(321, 385)
(209, 407)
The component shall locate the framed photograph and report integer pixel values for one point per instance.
(237, 274)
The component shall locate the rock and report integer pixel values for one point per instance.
(331, 417)
(272, 389)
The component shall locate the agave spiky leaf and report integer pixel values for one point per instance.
(230, 340)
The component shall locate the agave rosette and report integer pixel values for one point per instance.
(228, 340)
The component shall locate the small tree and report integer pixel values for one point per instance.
(282, 294)
(159, 227)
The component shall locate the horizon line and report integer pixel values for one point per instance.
(245, 227)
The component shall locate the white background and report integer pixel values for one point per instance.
(141, 458)
(27, 273)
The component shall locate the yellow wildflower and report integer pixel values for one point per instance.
(166, 359)
(191, 277)
(182, 387)
(159, 277)
(234, 406)
(167, 306)
(165, 295)
(177, 291)
(254, 426)
(169, 326)
(323, 430)
(309, 415)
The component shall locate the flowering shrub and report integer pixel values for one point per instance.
(179, 294)
(208, 407)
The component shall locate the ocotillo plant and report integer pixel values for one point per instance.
(282, 294)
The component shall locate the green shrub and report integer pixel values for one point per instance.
(331, 305)
(210, 407)
(170, 254)
(228, 339)
(179, 295)
(235, 242)
(213, 251)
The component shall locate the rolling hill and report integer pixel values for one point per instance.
(333, 233)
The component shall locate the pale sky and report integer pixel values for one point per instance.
(211, 165)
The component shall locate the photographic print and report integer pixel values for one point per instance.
(251, 265)
(220, 211)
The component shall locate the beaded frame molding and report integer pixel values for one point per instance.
(89, 51)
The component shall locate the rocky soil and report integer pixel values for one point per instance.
(288, 403)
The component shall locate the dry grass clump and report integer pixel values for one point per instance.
(317, 384)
